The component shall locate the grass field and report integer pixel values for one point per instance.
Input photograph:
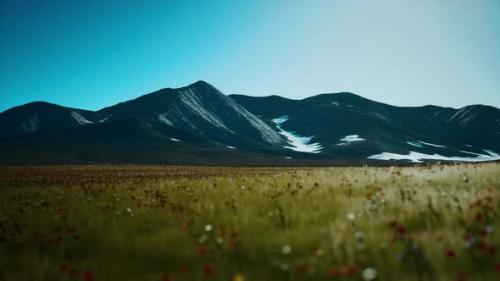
(196, 223)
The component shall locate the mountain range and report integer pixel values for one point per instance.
(198, 124)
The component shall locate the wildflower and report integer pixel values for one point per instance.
(208, 269)
(287, 249)
(351, 269)
(369, 273)
(450, 253)
(335, 273)
(64, 267)
(238, 277)
(303, 268)
(320, 252)
(202, 239)
(478, 217)
(89, 276)
(202, 250)
(401, 229)
(208, 227)
(285, 266)
(351, 216)
(488, 229)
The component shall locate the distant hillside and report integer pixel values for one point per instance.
(198, 124)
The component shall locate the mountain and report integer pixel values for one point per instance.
(198, 124)
(199, 109)
(345, 124)
(42, 117)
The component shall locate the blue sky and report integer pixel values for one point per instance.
(90, 54)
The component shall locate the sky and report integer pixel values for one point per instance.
(91, 54)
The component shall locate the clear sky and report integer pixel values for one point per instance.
(90, 54)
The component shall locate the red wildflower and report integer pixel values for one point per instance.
(208, 269)
(202, 250)
(222, 231)
(73, 272)
(462, 276)
(482, 246)
(335, 273)
(450, 253)
(492, 250)
(165, 277)
(64, 267)
(303, 268)
(89, 276)
(401, 229)
(235, 246)
(351, 269)
(479, 217)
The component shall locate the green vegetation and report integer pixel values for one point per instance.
(194, 223)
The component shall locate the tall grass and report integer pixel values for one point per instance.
(418, 223)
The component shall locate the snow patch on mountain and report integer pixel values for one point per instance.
(297, 142)
(417, 157)
(464, 115)
(80, 119)
(104, 119)
(193, 102)
(350, 138)
(420, 144)
(268, 134)
(163, 118)
(174, 139)
(230, 147)
(431, 144)
(415, 144)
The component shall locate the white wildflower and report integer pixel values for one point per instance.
(287, 249)
(369, 273)
(351, 216)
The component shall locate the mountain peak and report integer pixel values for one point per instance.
(200, 84)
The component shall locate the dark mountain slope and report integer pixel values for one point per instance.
(267, 107)
(329, 118)
(199, 109)
(125, 141)
(198, 124)
(38, 117)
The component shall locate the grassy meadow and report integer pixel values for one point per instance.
(208, 223)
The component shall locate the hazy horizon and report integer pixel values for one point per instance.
(92, 54)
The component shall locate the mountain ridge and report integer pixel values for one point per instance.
(182, 124)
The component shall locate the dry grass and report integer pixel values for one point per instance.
(199, 223)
